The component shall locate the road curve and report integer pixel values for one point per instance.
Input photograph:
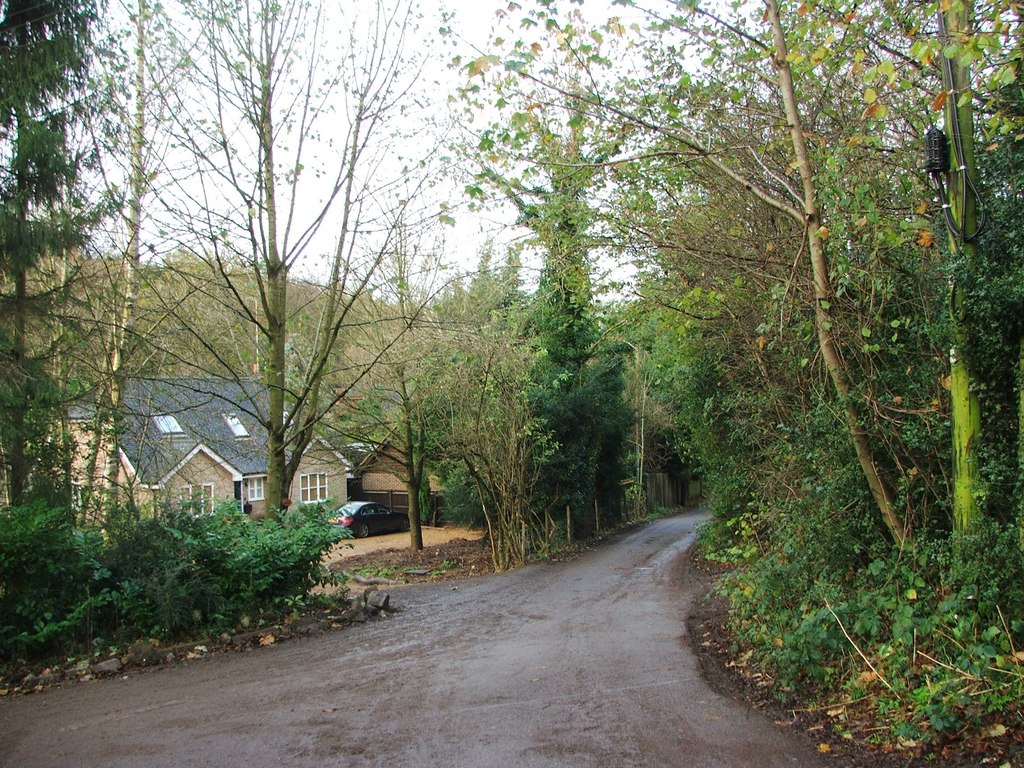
(582, 663)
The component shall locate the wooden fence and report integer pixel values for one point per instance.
(669, 490)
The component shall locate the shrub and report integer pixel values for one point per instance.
(179, 575)
(52, 583)
(928, 638)
(189, 573)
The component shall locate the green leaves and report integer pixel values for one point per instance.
(480, 66)
(148, 578)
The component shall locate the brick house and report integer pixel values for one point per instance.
(377, 475)
(199, 441)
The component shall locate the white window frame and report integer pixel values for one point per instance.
(167, 424)
(235, 425)
(197, 492)
(313, 487)
(255, 488)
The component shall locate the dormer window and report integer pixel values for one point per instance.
(237, 427)
(168, 425)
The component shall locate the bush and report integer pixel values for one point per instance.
(189, 573)
(52, 583)
(179, 575)
(461, 502)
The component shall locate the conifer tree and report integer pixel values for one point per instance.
(44, 56)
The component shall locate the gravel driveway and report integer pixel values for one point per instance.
(432, 537)
(580, 663)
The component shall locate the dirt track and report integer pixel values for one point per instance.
(431, 538)
(577, 663)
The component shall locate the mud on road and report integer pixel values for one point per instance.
(585, 662)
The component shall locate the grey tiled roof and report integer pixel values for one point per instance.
(201, 408)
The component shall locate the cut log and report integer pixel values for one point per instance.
(368, 581)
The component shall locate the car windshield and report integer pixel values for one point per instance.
(348, 509)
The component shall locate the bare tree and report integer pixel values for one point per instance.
(286, 171)
(117, 278)
(404, 343)
(493, 434)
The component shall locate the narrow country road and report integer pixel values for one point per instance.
(582, 663)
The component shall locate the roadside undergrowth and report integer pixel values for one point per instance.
(917, 652)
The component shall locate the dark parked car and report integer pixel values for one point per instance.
(366, 517)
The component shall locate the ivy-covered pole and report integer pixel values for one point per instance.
(1020, 438)
(962, 217)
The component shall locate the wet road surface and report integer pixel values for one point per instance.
(581, 663)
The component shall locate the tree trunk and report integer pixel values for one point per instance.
(106, 432)
(277, 489)
(17, 455)
(413, 453)
(964, 405)
(415, 526)
(880, 490)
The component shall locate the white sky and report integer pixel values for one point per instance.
(473, 22)
(477, 23)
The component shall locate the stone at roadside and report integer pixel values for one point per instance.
(354, 611)
(47, 677)
(367, 605)
(144, 653)
(309, 626)
(244, 638)
(106, 667)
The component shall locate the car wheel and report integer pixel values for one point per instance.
(361, 531)
(404, 526)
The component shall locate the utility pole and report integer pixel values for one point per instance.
(960, 209)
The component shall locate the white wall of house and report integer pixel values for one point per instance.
(253, 493)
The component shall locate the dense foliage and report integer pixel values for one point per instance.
(795, 296)
(921, 635)
(176, 575)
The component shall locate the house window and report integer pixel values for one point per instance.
(313, 487)
(168, 425)
(197, 498)
(237, 427)
(254, 488)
